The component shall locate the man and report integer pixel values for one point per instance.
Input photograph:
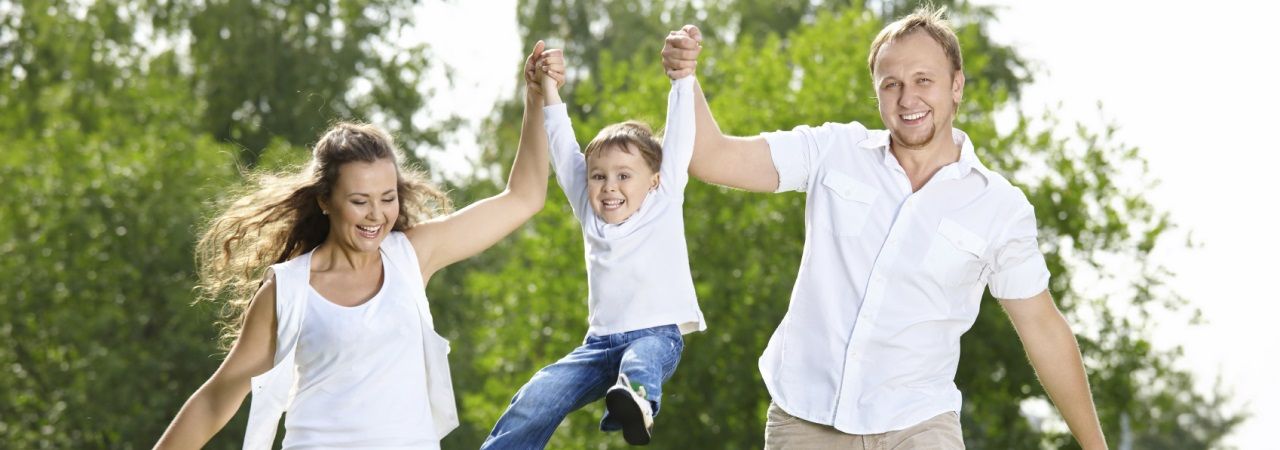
(904, 229)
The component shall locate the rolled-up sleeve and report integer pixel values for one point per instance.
(793, 154)
(1018, 270)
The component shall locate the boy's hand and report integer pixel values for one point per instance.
(551, 69)
(680, 53)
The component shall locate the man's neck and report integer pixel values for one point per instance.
(922, 163)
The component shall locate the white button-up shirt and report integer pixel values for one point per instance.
(889, 278)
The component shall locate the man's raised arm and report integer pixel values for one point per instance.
(742, 163)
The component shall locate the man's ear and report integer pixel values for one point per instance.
(957, 87)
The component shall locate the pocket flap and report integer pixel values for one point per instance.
(848, 188)
(962, 238)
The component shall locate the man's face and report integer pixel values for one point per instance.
(917, 91)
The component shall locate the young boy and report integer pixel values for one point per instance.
(627, 191)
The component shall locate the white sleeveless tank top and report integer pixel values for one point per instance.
(360, 372)
(345, 379)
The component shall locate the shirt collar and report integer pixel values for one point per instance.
(879, 140)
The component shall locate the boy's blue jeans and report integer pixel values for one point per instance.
(647, 356)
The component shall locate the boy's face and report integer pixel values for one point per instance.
(617, 182)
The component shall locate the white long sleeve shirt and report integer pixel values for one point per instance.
(889, 279)
(637, 271)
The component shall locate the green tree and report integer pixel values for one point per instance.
(285, 69)
(121, 120)
(767, 68)
(104, 188)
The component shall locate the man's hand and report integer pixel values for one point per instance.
(680, 54)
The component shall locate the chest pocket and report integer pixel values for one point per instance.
(847, 204)
(955, 257)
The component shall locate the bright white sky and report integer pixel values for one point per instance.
(1166, 72)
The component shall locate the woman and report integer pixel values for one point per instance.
(338, 332)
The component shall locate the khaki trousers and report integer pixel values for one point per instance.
(786, 432)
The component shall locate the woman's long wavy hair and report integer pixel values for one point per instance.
(276, 217)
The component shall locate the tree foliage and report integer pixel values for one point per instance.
(769, 66)
(120, 121)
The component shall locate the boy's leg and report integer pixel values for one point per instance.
(579, 378)
(649, 359)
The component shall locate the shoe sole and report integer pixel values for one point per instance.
(627, 412)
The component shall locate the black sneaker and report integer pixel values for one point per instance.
(626, 403)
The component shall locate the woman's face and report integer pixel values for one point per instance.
(364, 205)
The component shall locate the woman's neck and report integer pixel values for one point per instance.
(334, 256)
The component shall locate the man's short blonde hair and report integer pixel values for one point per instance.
(925, 18)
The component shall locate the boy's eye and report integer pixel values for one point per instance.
(597, 177)
(624, 176)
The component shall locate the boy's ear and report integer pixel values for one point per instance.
(657, 178)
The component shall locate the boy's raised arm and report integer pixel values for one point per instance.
(678, 135)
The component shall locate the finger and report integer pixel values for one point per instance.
(553, 62)
(676, 39)
(537, 50)
(680, 65)
(682, 40)
(676, 54)
(693, 32)
(555, 57)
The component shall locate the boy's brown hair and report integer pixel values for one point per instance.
(626, 135)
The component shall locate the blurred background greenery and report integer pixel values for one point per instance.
(122, 120)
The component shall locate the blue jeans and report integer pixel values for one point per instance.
(647, 356)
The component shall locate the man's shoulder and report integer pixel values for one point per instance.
(1004, 191)
(855, 129)
(841, 129)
